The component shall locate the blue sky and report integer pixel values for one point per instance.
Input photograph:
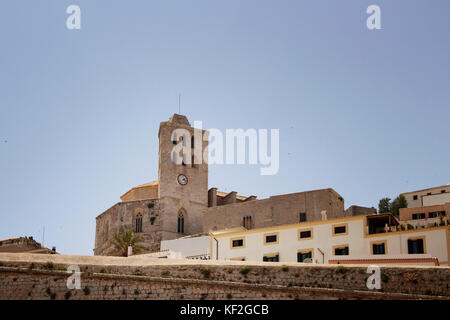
(364, 112)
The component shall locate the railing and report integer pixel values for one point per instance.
(411, 225)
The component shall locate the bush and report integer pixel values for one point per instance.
(152, 220)
(138, 272)
(341, 270)
(165, 273)
(285, 268)
(67, 295)
(385, 277)
(245, 270)
(150, 205)
(48, 266)
(206, 272)
(86, 291)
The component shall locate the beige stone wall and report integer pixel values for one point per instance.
(234, 281)
(141, 193)
(276, 210)
(407, 213)
(359, 211)
(123, 214)
(197, 188)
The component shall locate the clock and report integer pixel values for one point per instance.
(182, 179)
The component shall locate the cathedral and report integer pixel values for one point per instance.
(179, 203)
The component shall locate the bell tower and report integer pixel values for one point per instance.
(182, 171)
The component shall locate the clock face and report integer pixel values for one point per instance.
(182, 179)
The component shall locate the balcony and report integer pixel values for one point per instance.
(386, 222)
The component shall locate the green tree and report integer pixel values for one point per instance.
(384, 206)
(397, 204)
(124, 239)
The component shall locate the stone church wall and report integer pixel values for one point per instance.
(276, 210)
(123, 214)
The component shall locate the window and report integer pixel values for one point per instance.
(192, 142)
(302, 255)
(429, 194)
(442, 191)
(378, 247)
(340, 230)
(237, 243)
(436, 214)
(415, 197)
(271, 238)
(274, 257)
(417, 216)
(138, 224)
(247, 222)
(341, 251)
(416, 246)
(180, 228)
(305, 234)
(302, 216)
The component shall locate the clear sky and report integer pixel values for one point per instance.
(365, 112)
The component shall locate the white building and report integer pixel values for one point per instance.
(189, 247)
(428, 197)
(358, 239)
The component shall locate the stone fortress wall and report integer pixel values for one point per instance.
(25, 276)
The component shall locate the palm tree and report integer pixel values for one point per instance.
(125, 239)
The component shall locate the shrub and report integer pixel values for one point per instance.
(152, 220)
(86, 291)
(48, 266)
(138, 272)
(206, 272)
(136, 291)
(67, 295)
(150, 205)
(341, 269)
(385, 277)
(244, 271)
(165, 273)
(285, 268)
(229, 296)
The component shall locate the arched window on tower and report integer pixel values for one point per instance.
(181, 222)
(138, 226)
